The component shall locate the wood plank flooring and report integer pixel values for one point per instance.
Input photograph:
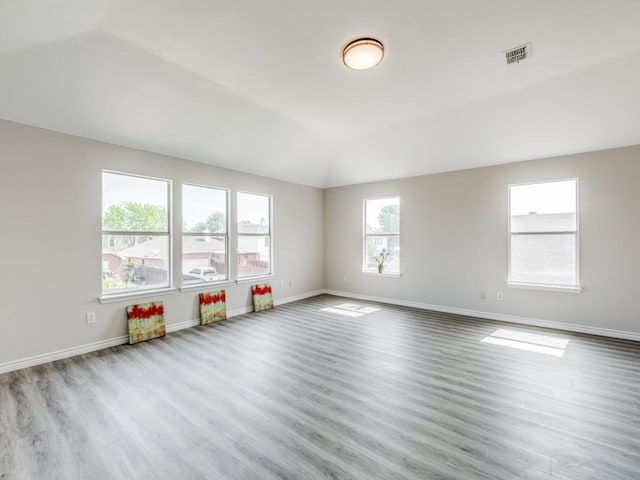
(303, 393)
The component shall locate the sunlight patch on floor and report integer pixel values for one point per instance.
(350, 309)
(528, 341)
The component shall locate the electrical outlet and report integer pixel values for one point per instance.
(483, 295)
(500, 296)
(281, 283)
(91, 317)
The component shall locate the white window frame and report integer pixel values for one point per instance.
(152, 289)
(227, 193)
(244, 278)
(544, 286)
(366, 270)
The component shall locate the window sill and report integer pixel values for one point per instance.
(547, 288)
(242, 280)
(206, 285)
(376, 274)
(121, 297)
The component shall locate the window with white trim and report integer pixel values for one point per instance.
(381, 250)
(254, 252)
(136, 234)
(204, 234)
(543, 234)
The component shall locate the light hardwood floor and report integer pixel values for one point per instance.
(302, 393)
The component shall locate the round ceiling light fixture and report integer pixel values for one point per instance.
(363, 53)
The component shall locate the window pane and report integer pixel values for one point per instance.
(134, 204)
(544, 259)
(254, 253)
(543, 207)
(385, 248)
(541, 253)
(132, 263)
(204, 209)
(204, 258)
(382, 215)
(544, 222)
(253, 213)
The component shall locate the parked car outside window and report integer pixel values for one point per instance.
(202, 273)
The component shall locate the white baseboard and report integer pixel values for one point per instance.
(174, 327)
(569, 327)
(239, 311)
(60, 354)
(92, 347)
(276, 302)
(296, 298)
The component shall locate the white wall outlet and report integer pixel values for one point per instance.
(91, 317)
(483, 295)
(500, 296)
(281, 283)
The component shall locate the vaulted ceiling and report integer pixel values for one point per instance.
(259, 86)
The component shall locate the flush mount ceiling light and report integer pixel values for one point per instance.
(363, 54)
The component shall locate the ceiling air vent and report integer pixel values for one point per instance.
(518, 54)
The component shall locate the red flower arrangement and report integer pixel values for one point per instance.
(207, 299)
(145, 313)
(261, 289)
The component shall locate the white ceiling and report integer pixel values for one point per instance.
(259, 86)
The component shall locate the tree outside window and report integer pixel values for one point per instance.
(135, 233)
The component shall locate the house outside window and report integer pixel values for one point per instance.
(204, 234)
(543, 234)
(381, 250)
(136, 235)
(255, 240)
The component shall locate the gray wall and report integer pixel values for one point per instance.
(453, 225)
(50, 215)
(454, 240)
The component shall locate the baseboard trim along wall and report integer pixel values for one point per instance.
(569, 327)
(296, 298)
(174, 327)
(60, 354)
(112, 342)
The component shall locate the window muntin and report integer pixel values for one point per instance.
(254, 234)
(543, 234)
(204, 234)
(136, 237)
(382, 235)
